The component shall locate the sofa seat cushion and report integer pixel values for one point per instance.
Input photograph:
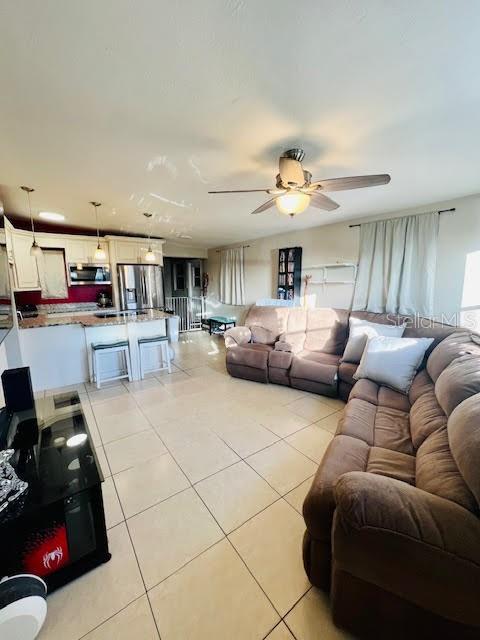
(346, 371)
(343, 454)
(422, 383)
(437, 471)
(320, 357)
(379, 395)
(315, 365)
(392, 464)
(426, 417)
(377, 426)
(250, 355)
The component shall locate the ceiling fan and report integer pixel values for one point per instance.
(295, 191)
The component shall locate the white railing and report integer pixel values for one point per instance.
(190, 310)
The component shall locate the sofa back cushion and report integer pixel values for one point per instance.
(326, 330)
(453, 346)
(262, 335)
(437, 471)
(272, 319)
(381, 318)
(459, 381)
(296, 327)
(464, 437)
(425, 328)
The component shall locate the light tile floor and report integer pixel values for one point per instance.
(205, 476)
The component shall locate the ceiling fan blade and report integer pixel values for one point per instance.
(242, 191)
(353, 182)
(266, 205)
(320, 201)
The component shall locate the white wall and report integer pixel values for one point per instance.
(173, 250)
(459, 236)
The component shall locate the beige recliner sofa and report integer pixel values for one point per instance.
(303, 348)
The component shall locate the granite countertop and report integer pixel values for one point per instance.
(44, 320)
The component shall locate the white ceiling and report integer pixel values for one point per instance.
(119, 100)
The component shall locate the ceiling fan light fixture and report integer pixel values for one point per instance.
(292, 202)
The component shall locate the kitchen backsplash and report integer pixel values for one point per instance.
(76, 295)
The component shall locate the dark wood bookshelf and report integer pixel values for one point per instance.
(289, 273)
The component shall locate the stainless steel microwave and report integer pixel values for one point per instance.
(81, 273)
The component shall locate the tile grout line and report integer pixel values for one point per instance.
(113, 614)
(192, 485)
(225, 536)
(125, 521)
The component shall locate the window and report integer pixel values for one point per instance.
(470, 309)
(179, 276)
(197, 279)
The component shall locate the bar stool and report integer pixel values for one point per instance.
(154, 341)
(103, 348)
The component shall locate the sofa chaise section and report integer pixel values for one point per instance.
(392, 517)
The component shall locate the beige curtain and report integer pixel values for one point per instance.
(232, 277)
(396, 271)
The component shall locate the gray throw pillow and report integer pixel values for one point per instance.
(392, 361)
(361, 330)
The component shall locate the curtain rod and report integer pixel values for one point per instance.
(245, 246)
(441, 211)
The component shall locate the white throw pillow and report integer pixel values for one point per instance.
(392, 361)
(361, 330)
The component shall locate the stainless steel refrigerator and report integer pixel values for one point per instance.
(140, 286)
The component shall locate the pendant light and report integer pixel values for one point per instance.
(35, 250)
(149, 256)
(99, 255)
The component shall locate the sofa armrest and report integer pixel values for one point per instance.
(237, 336)
(284, 346)
(372, 501)
(411, 543)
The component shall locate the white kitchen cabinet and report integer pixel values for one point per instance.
(76, 251)
(127, 252)
(26, 269)
(83, 251)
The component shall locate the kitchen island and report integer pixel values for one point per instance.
(57, 347)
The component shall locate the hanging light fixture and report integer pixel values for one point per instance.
(99, 255)
(150, 255)
(35, 250)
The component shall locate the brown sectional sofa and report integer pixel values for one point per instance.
(303, 348)
(392, 517)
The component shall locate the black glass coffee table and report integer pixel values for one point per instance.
(56, 528)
